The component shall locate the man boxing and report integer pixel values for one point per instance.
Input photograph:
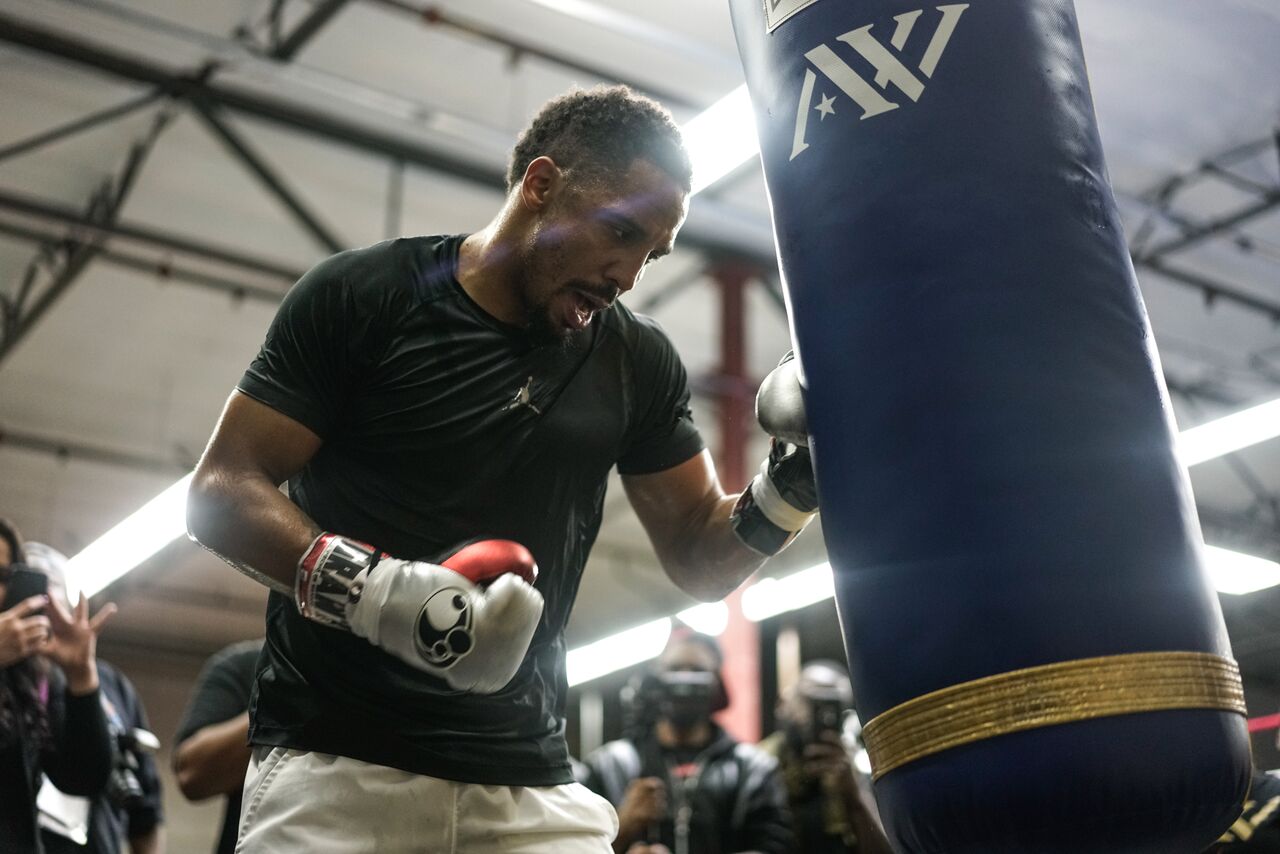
(429, 392)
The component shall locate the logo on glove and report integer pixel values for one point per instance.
(444, 628)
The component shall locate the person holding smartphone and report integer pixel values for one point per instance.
(51, 719)
(828, 798)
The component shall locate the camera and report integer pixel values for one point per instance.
(692, 686)
(124, 790)
(826, 717)
(680, 695)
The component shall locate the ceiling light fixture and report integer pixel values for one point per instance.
(152, 527)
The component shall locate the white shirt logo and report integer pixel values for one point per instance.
(523, 398)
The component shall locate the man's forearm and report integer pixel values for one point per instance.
(213, 760)
(248, 522)
(710, 562)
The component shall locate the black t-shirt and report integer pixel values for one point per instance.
(109, 824)
(442, 425)
(76, 757)
(222, 693)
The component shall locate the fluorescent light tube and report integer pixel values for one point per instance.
(159, 522)
(1236, 573)
(721, 138)
(710, 618)
(769, 597)
(1230, 433)
(615, 652)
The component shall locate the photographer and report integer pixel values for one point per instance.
(680, 781)
(827, 800)
(128, 807)
(51, 719)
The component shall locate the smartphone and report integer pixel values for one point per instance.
(23, 583)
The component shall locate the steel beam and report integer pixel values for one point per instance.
(320, 15)
(1211, 287)
(76, 126)
(1218, 167)
(435, 15)
(104, 207)
(395, 200)
(147, 236)
(243, 151)
(161, 269)
(276, 110)
(1268, 202)
(66, 449)
(313, 122)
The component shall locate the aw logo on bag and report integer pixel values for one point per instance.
(888, 67)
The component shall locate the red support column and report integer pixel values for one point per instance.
(736, 393)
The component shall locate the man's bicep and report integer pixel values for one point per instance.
(255, 439)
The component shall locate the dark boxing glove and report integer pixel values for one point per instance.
(782, 499)
(467, 621)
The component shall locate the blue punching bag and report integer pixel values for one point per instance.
(1040, 660)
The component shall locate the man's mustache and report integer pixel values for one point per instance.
(604, 293)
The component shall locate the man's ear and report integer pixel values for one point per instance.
(542, 180)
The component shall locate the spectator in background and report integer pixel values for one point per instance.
(129, 807)
(685, 785)
(51, 718)
(212, 743)
(828, 797)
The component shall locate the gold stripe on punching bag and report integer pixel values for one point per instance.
(1049, 695)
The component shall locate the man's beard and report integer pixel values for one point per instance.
(539, 264)
(542, 331)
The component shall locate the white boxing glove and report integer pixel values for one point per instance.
(468, 621)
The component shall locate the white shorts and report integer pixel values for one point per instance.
(297, 801)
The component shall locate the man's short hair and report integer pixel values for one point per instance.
(602, 131)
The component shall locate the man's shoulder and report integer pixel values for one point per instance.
(406, 266)
(621, 320)
(641, 336)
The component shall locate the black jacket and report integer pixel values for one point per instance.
(736, 798)
(110, 825)
(78, 762)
